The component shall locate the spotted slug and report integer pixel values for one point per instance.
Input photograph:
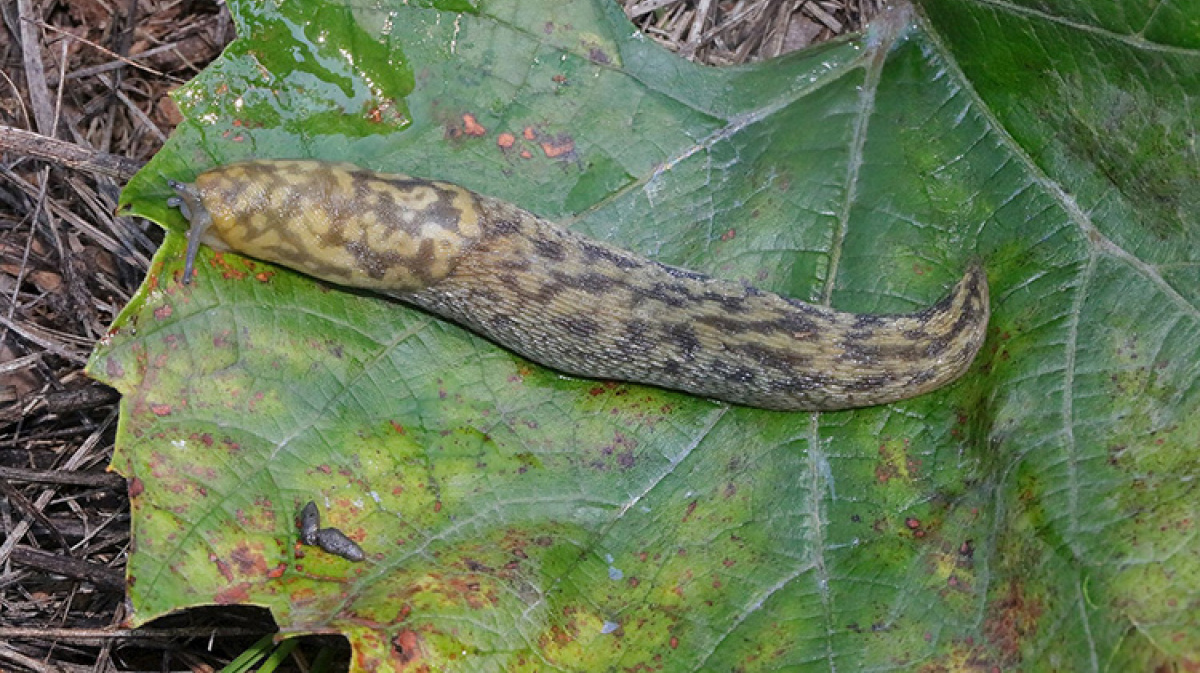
(572, 303)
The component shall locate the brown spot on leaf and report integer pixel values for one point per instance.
(1011, 622)
(249, 562)
(558, 147)
(222, 567)
(114, 369)
(690, 508)
(406, 647)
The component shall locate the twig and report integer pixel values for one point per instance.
(120, 62)
(40, 339)
(35, 73)
(93, 479)
(107, 52)
(134, 110)
(696, 31)
(23, 505)
(28, 662)
(16, 95)
(104, 578)
(21, 142)
(817, 12)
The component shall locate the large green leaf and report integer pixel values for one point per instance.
(1040, 513)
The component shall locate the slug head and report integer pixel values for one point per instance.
(187, 200)
(336, 222)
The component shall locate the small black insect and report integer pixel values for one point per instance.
(330, 540)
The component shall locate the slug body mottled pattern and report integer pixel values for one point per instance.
(578, 305)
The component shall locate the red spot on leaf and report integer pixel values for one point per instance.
(160, 409)
(506, 140)
(673, 642)
(472, 127)
(163, 312)
(729, 235)
(227, 271)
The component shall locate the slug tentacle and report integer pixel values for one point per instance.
(188, 201)
(578, 305)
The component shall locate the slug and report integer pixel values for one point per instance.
(329, 540)
(310, 523)
(569, 302)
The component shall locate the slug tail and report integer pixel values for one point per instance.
(934, 347)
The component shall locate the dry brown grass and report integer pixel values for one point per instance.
(84, 103)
